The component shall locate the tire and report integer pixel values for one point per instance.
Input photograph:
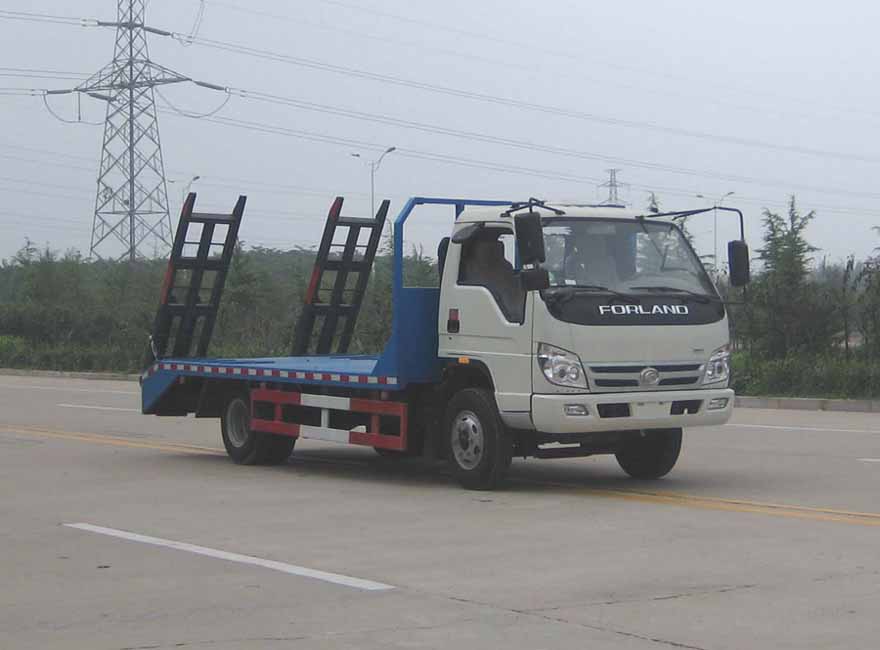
(247, 447)
(652, 456)
(478, 446)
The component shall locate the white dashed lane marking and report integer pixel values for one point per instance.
(795, 428)
(66, 389)
(292, 569)
(98, 408)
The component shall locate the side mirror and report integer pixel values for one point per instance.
(534, 279)
(738, 259)
(529, 238)
(442, 250)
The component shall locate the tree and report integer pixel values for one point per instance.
(787, 313)
(868, 303)
(847, 287)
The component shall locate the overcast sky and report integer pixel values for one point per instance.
(764, 99)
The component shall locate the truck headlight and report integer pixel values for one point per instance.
(561, 367)
(718, 368)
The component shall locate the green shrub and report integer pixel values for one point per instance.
(13, 351)
(805, 376)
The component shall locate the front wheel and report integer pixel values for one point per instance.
(651, 456)
(248, 447)
(480, 451)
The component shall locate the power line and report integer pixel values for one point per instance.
(197, 22)
(8, 179)
(41, 220)
(49, 163)
(44, 71)
(45, 18)
(21, 92)
(384, 39)
(49, 195)
(49, 152)
(30, 73)
(507, 101)
(457, 92)
(186, 113)
(63, 120)
(431, 156)
(483, 37)
(411, 153)
(472, 136)
(18, 75)
(448, 159)
(206, 180)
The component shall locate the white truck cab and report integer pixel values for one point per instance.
(622, 343)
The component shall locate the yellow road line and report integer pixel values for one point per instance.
(725, 505)
(770, 506)
(733, 505)
(114, 440)
(640, 496)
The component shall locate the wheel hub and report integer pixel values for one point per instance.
(238, 424)
(468, 440)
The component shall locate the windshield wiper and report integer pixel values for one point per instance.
(699, 297)
(566, 292)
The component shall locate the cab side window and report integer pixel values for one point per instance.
(487, 261)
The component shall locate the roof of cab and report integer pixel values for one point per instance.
(496, 214)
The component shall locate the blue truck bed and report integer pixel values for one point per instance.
(342, 371)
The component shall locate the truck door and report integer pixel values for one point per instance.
(485, 314)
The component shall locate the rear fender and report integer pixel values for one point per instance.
(214, 395)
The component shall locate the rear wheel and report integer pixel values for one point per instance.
(651, 456)
(248, 447)
(480, 451)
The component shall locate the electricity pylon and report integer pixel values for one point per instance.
(131, 205)
(613, 186)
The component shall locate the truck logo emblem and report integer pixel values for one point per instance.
(641, 310)
(649, 377)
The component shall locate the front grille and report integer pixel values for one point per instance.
(618, 377)
(663, 367)
(679, 381)
(615, 383)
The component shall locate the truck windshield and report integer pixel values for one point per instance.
(625, 256)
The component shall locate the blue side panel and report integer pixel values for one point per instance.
(411, 352)
(350, 364)
(358, 372)
(153, 387)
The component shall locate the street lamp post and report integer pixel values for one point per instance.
(716, 204)
(374, 167)
(186, 188)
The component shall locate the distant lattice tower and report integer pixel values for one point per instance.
(131, 208)
(613, 186)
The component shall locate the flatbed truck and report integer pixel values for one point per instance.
(554, 331)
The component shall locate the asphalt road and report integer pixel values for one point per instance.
(766, 535)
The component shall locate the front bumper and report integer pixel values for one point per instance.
(627, 411)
